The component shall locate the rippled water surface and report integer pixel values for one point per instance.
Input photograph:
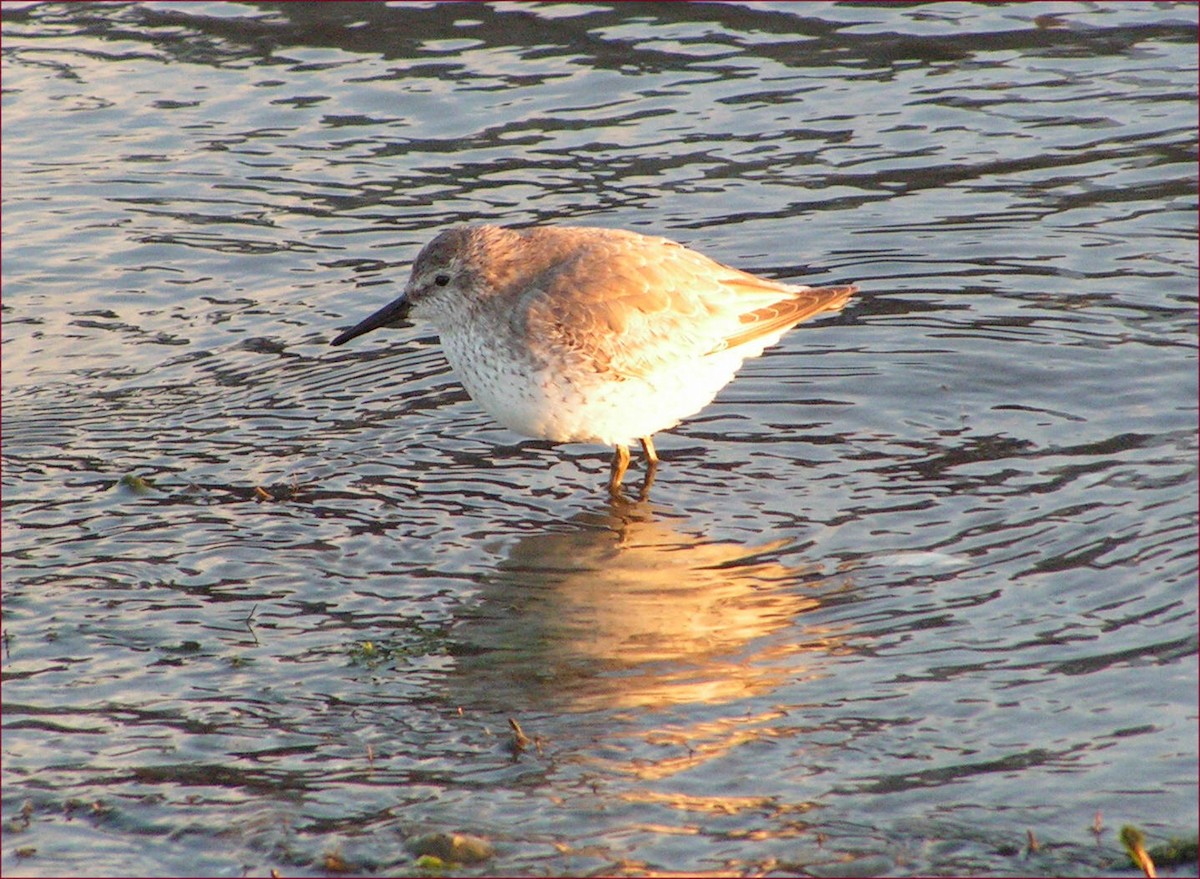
(919, 584)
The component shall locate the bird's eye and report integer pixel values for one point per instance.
(441, 280)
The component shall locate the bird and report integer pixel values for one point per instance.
(593, 335)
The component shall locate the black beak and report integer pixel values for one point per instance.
(390, 315)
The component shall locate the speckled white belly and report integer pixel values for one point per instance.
(581, 405)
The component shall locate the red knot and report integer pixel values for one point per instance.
(574, 334)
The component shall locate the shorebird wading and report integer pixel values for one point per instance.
(576, 334)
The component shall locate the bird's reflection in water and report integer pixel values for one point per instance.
(620, 610)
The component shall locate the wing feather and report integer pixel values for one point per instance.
(630, 304)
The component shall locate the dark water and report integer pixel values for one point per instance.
(922, 580)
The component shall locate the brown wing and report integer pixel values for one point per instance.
(786, 313)
(629, 304)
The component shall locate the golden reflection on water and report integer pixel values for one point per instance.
(621, 611)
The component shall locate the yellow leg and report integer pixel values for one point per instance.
(620, 463)
(648, 447)
(651, 465)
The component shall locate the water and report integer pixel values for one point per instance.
(921, 581)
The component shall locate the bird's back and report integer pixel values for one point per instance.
(632, 304)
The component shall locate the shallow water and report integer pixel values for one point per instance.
(922, 580)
